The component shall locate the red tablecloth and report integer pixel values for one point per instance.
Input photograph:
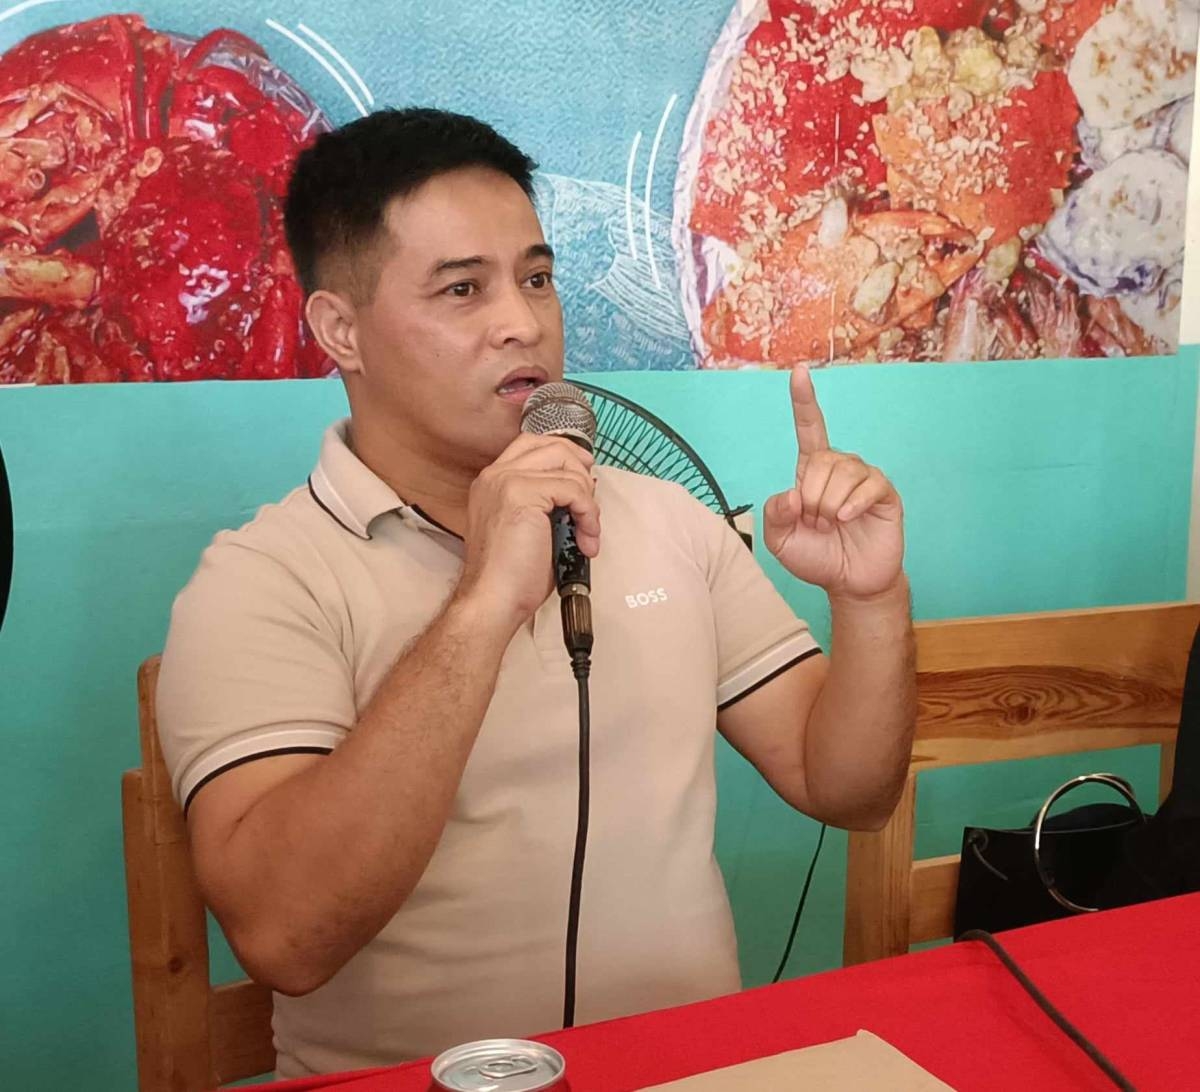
(1128, 979)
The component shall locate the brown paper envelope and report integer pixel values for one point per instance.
(864, 1063)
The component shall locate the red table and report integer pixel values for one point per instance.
(1128, 979)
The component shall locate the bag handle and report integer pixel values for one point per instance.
(1113, 782)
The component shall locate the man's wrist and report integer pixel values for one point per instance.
(896, 597)
(471, 613)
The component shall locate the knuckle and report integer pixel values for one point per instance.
(571, 488)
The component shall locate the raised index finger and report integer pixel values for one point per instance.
(811, 436)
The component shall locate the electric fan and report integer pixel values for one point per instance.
(632, 438)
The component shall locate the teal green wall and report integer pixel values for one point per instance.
(1028, 486)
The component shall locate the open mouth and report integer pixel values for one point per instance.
(515, 386)
(520, 384)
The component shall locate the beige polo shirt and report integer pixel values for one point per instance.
(289, 625)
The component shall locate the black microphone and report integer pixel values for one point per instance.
(560, 409)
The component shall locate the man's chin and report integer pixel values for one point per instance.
(486, 448)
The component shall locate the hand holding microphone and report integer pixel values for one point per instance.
(511, 558)
(563, 410)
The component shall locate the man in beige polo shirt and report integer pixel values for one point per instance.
(365, 702)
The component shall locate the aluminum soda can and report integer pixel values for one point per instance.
(499, 1065)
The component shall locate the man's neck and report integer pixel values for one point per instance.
(436, 487)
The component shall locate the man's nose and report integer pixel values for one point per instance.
(516, 320)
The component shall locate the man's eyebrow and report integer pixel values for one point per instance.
(448, 264)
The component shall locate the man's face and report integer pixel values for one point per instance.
(465, 320)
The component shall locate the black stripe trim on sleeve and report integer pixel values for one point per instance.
(815, 651)
(250, 758)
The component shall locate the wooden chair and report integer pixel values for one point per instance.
(190, 1034)
(1017, 686)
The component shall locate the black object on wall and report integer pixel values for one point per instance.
(6, 539)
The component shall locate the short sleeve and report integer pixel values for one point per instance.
(252, 668)
(758, 634)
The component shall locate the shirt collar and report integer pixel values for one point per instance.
(352, 494)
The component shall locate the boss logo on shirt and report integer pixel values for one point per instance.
(646, 598)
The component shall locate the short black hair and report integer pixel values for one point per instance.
(342, 184)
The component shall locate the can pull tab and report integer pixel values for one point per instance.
(511, 1065)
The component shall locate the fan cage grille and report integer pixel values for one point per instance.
(632, 438)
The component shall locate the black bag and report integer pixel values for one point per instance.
(1093, 857)
(1053, 868)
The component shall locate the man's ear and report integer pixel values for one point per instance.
(332, 319)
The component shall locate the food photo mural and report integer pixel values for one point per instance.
(938, 180)
(141, 178)
(855, 181)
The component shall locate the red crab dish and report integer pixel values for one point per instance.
(141, 228)
(875, 180)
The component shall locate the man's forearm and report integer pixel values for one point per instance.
(324, 860)
(859, 735)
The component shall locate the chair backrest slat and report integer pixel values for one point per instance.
(1008, 687)
(190, 1035)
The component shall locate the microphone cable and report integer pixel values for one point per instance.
(581, 668)
(1061, 1022)
(812, 867)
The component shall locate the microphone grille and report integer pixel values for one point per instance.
(560, 409)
